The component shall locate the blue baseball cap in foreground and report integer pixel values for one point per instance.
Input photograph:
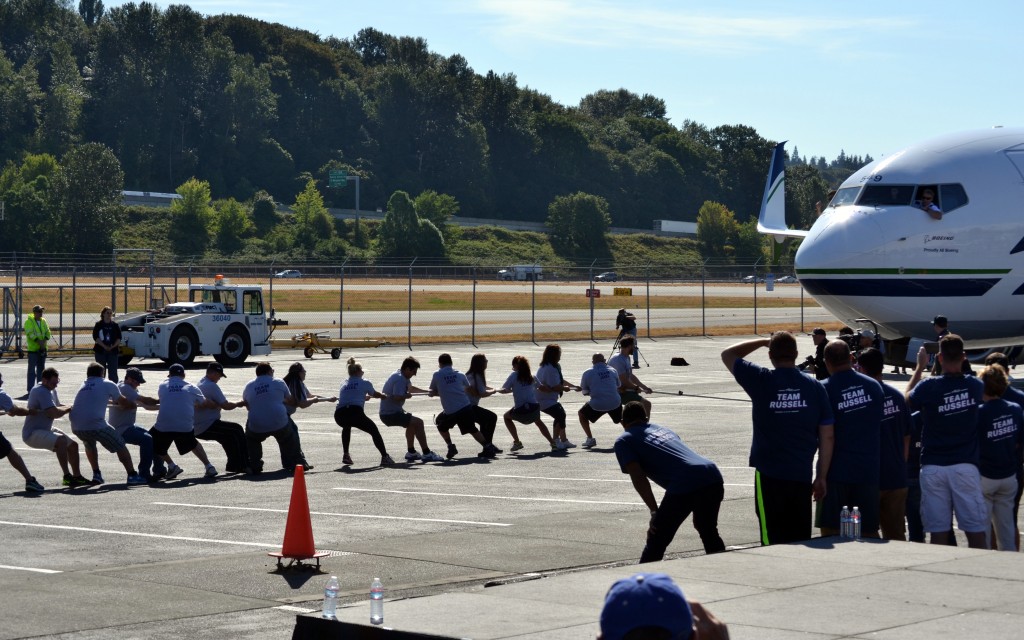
(176, 370)
(646, 600)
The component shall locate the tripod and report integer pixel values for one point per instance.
(636, 348)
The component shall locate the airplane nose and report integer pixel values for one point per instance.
(845, 240)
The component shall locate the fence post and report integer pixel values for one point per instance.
(341, 303)
(125, 289)
(648, 301)
(802, 308)
(472, 330)
(591, 286)
(113, 279)
(74, 303)
(755, 294)
(703, 298)
(409, 338)
(533, 306)
(60, 310)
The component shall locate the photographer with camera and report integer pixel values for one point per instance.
(626, 323)
(816, 363)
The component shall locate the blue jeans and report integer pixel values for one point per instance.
(139, 436)
(36, 364)
(636, 347)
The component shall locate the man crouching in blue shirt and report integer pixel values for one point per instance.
(692, 483)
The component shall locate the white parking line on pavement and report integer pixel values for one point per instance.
(262, 545)
(5, 566)
(339, 515)
(473, 495)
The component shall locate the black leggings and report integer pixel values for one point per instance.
(353, 416)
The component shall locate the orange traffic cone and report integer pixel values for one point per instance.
(298, 531)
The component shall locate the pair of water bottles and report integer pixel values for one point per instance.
(849, 523)
(376, 600)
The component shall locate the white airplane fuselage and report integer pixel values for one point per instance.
(873, 253)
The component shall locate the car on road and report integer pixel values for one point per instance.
(607, 276)
(786, 280)
(288, 273)
(749, 279)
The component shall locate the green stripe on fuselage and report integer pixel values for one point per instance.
(902, 272)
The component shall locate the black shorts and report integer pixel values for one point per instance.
(5, 447)
(184, 440)
(592, 414)
(400, 419)
(526, 414)
(463, 417)
(557, 413)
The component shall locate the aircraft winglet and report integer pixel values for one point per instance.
(772, 218)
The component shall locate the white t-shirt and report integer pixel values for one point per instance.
(354, 391)
(450, 385)
(41, 399)
(266, 395)
(206, 417)
(395, 388)
(6, 404)
(549, 376)
(89, 410)
(601, 383)
(522, 392)
(178, 400)
(120, 418)
(476, 382)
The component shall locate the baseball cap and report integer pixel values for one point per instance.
(216, 366)
(646, 600)
(38, 307)
(818, 331)
(135, 373)
(940, 320)
(867, 333)
(176, 370)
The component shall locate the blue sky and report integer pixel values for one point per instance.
(865, 77)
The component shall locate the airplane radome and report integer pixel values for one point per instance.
(876, 253)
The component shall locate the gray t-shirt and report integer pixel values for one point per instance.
(266, 395)
(353, 392)
(548, 376)
(120, 418)
(178, 400)
(6, 404)
(621, 364)
(450, 385)
(89, 410)
(39, 398)
(601, 382)
(523, 393)
(206, 417)
(396, 385)
(474, 381)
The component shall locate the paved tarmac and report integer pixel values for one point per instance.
(188, 557)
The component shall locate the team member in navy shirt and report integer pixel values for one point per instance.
(692, 483)
(949, 445)
(792, 421)
(1000, 424)
(853, 475)
(1014, 395)
(895, 442)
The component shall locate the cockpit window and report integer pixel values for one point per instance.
(844, 197)
(951, 196)
(883, 195)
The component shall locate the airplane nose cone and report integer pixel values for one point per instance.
(846, 239)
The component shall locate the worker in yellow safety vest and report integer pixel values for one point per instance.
(37, 335)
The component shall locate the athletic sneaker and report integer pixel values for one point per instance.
(430, 456)
(159, 474)
(487, 452)
(412, 456)
(565, 444)
(32, 485)
(211, 471)
(589, 442)
(173, 472)
(346, 459)
(494, 448)
(636, 366)
(97, 477)
(386, 461)
(555, 446)
(516, 446)
(136, 479)
(452, 451)
(74, 481)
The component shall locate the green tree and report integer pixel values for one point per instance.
(192, 218)
(232, 224)
(28, 204)
(436, 207)
(91, 11)
(748, 243)
(264, 213)
(403, 234)
(313, 223)
(578, 224)
(716, 226)
(87, 194)
(805, 188)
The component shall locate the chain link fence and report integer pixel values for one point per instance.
(412, 301)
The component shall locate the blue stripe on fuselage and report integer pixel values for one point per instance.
(899, 288)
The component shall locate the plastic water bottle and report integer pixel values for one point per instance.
(376, 602)
(331, 598)
(844, 522)
(855, 517)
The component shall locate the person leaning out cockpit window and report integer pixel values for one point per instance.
(926, 202)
